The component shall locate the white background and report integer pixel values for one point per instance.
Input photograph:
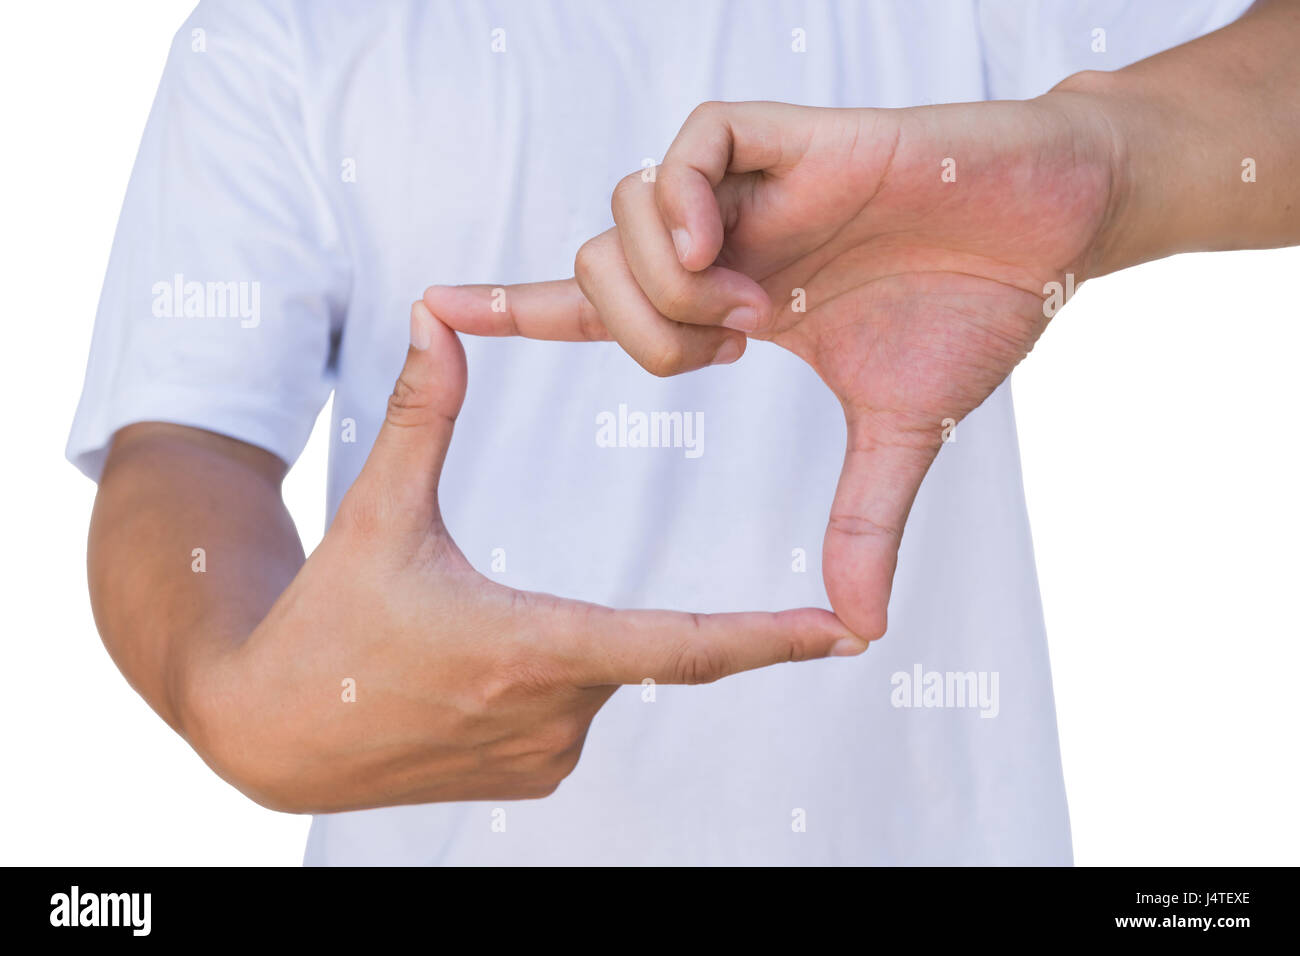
(1157, 429)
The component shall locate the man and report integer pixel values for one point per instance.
(319, 165)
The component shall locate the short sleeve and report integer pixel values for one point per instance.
(1031, 46)
(226, 281)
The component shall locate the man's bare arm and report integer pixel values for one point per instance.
(1187, 124)
(168, 490)
(384, 669)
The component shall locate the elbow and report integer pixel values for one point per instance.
(237, 743)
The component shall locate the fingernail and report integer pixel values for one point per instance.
(847, 647)
(728, 353)
(743, 319)
(682, 242)
(421, 326)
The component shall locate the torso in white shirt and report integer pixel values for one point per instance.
(452, 143)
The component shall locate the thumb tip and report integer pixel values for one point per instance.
(859, 596)
(436, 360)
(867, 625)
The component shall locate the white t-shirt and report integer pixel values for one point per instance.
(309, 167)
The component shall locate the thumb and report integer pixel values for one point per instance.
(883, 469)
(406, 461)
(598, 646)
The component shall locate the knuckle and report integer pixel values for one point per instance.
(861, 526)
(405, 405)
(563, 736)
(623, 190)
(540, 789)
(366, 513)
(358, 514)
(565, 763)
(584, 263)
(799, 648)
(543, 745)
(553, 773)
(706, 111)
(513, 676)
(590, 324)
(492, 693)
(694, 663)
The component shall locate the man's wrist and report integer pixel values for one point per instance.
(1125, 235)
(1200, 162)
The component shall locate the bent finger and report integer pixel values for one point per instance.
(658, 344)
(712, 296)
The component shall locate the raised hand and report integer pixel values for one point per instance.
(904, 254)
(465, 689)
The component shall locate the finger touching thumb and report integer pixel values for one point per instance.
(406, 460)
(877, 486)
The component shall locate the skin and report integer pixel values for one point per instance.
(466, 690)
(834, 234)
(921, 295)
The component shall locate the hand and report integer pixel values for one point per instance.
(836, 235)
(465, 689)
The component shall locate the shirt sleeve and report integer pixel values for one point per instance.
(227, 278)
(1031, 45)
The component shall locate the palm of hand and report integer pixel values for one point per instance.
(912, 280)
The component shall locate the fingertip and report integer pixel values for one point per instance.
(753, 311)
(862, 614)
(849, 647)
(451, 301)
(682, 243)
(690, 210)
(421, 326)
(744, 318)
(704, 244)
(730, 350)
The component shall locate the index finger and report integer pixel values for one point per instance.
(554, 311)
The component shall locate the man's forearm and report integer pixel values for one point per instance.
(1207, 141)
(190, 544)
